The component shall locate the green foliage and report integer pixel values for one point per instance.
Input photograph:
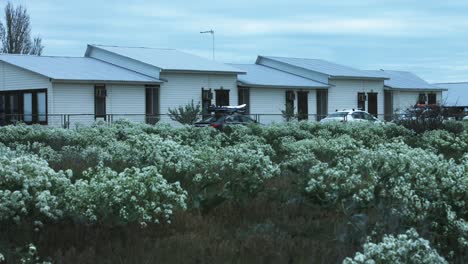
(377, 179)
(186, 115)
(289, 112)
(403, 249)
(133, 196)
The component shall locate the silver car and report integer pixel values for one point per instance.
(351, 115)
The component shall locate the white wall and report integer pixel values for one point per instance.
(123, 100)
(403, 100)
(73, 99)
(344, 94)
(126, 102)
(15, 78)
(268, 103)
(181, 88)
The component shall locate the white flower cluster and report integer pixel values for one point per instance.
(132, 196)
(416, 186)
(30, 189)
(401, 249)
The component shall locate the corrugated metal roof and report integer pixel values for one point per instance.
(456, 95)
(170, 59)
(75, 68)
(263, 76)
(405, 80)
(329, 68)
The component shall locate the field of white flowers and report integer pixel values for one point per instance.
(286, 193)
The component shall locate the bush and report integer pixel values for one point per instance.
(186, 115)
(29, 188)
(133, 196)
(287, 188)
(405, 249)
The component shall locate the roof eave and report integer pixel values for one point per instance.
(414, 89)
(105, 81)
(201, 72)
(244, 84)
(335, 77)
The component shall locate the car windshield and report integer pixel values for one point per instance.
(338, 114)
(212, 119)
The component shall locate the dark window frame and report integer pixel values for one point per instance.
(422, 98)
(152, 108)
(96, 98)
(431, 98)
(243, 97)
(206, 98)
(20, 104)
(361, 104)
(321, 103)
(226, 92)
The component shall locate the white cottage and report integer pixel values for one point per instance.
(342, 86)
(267, 91)
(404, 90)
(139, 84)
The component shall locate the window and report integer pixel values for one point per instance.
(41, 107)
(100, 94)
(368, 117)
(222, 97)
(207, 96)
(152, 104)
(2, 109)
(361, 101)
(322, 104)
(358, 115)
(290, 97)
(29, 106)
(244, 98)
(431, 99)
(422, 98)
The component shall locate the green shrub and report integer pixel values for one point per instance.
(403, 249)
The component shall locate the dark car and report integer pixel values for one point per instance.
(222, 120)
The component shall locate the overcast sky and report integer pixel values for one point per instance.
(426, 37)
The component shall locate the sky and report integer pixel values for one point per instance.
(426, 37)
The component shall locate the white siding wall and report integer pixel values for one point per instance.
(124, 101)
(344, 94)
(15, 78)
(294, 70)
(181, 88)
(403, 100)
(124, 62)
(268, 103)
(74, 99)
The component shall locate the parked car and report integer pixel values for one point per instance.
(350, 115)
(226, 119)
(226, 116)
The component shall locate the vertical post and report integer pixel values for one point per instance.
(212, 38)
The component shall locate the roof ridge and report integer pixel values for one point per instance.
(129, 47)
(291, 58)
(38, 56)
(448, 83)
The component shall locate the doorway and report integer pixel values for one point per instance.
(322, 104)
(302, 105)
(222, 97)
(388, 105)
(372, 103)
